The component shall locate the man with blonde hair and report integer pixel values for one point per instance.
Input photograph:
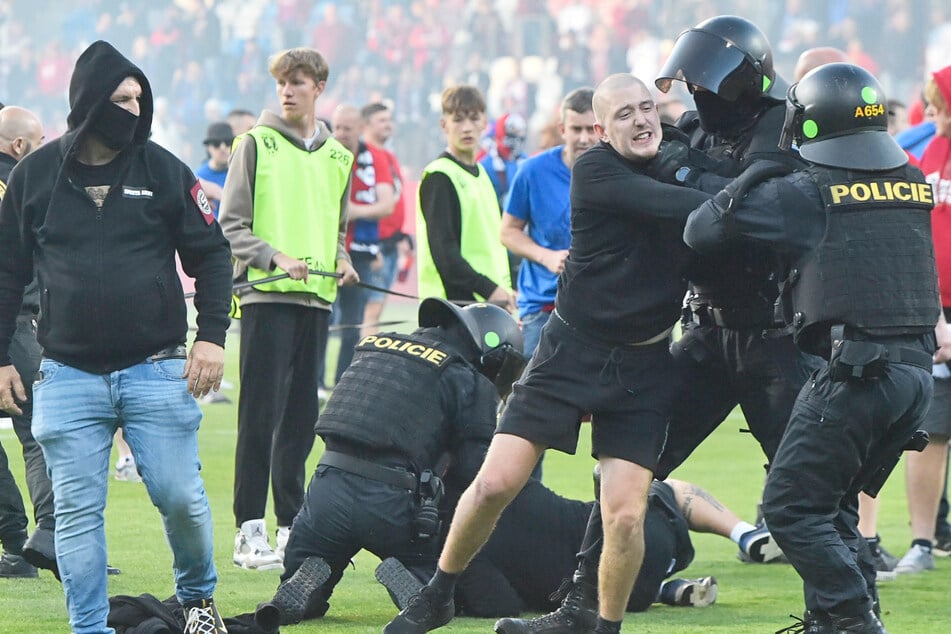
(284, 210)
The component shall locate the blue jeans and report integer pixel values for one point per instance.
(75, 415)
(532, 325)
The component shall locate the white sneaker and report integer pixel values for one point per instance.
(126, 470)
(251, 549)
(916, 560)
(280, 540)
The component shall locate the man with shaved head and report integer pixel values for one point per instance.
(20, 133)
(603, 351)
(816, 57)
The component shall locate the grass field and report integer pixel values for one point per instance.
(752, 598)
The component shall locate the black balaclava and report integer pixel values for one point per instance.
(114, 125)
(98, 72)
(722, 117)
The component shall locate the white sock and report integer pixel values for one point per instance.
(739, 530)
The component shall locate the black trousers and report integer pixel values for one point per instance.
(810, 501)
(279, 359)
(718, 369)
(25, 354)
(344, 513)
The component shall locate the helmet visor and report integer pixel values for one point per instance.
(503, 365)
(793, 121)
(708, 61)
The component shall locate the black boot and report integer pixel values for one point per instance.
(399, 582)
(812, 622)
(578, 614)
(293, 594)
(866, 623)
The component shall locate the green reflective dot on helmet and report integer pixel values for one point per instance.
(869, 95)
(491, 339)
(810, 129)
(766, 83)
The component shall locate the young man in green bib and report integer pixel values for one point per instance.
(458, 222)
(284, 209)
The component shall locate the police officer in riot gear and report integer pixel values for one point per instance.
(853, 232)
(405, 430)
(726, 359)
(723, 357)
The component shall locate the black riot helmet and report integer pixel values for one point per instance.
(494, 332)
(838, 116)
(726, 55)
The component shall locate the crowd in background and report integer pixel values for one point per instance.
(207, 57)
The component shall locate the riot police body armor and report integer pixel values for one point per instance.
(736, 289)
(877, 224)
(391, 379)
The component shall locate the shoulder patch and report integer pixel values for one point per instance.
(198, 195)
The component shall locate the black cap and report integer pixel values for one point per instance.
(220, 131)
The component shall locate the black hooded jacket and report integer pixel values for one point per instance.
(110, 292)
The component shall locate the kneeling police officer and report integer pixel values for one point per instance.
(853, 230)
(406, 430)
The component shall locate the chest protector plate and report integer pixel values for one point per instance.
(388, 398)
(874, 268)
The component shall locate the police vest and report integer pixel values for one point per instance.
(480, 244)
(388, 400)
(297, 198)
(874, 268)
(744, 279)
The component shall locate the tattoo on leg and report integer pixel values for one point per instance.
(703, 495)
(685, 507)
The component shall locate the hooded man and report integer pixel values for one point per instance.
(99, 215)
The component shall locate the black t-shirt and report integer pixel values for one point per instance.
(623, 279)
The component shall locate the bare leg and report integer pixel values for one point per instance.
(868, 515)
(506, 469)
(703, 512)
(924, 480)
(624, 487)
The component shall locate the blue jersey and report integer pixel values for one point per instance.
(916, 138)
(539, 196)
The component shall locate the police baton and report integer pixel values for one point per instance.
(273, 278)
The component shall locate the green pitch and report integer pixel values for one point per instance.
(752, 598)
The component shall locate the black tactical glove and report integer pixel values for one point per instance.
(673, 133)
(670, 164)
(756, 173)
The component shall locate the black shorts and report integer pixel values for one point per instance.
(938, 420)
(627, 390)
